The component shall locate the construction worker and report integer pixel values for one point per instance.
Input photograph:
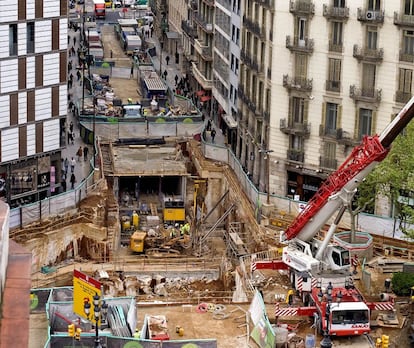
(137, 333)
(129, 100)
(185, 229)
(173, 233)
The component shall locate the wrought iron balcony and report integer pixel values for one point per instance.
(204, 50)
(324, 131)
(406, 56)
(207, 27)
(249, 61)
(403, 20)
(253, 27)
(372, 95)
(189, 29)
(333, 12)
(295, 155)
(335, 47)
(402, 97)
(288, 126)
(298, 45)
(345, 138)
(370, 16)
(368, 54)
(328, 162)
(302, 7)
(297, 83)
(333, 86)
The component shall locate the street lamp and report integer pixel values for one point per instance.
(267, 158)
(98, 307)
(326, 341)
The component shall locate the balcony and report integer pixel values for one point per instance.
(297, 83)
(403, 20)
(324, 131)
(345, 138)
(204, 50)
(402, 97)
(337, 13)
(299, 45)
(368, 54)
(209, 2)
(295, 155)
(370, 16)
(406, 56)
(189, 29)
(207, 27)
(207, 84)
(296, 128)
(371, 95)
(328, 162)
(302, 7)
(249, 61)
(335, 47)
(270, 4)
(333, 86)
(253, 27)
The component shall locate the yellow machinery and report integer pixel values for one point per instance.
(174, 210)
(137, 241)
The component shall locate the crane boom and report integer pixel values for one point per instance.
(361, 161)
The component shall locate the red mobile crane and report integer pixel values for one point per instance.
(314, 264)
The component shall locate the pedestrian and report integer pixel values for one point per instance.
(209, 125)
(152, 30)
(72, 181)
(73, 51)
(85, 153)
(71, 126)
(165, 73)
(213, 135)
(167, 59)
(73, 138)
(63, 184)
(72, 165)
(177, 58)
(132, 71)
(66, 164)
(78, 74)
(74, 41)
(69, 66)
(79, 153)
(176, 79)
(147, 33)
(70, 137)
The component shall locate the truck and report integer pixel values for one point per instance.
(99, 9)
(315, 264)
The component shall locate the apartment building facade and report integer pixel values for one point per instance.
(33, 97)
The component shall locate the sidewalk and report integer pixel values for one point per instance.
(82, 168)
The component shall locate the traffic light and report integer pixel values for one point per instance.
(71, 330)
(78, 334)
(385, 339)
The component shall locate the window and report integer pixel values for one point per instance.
(365, 122)
(301, 65)
(405, 79)
(339, 3)
(409, 7)
(334, 75)
(337, 28)
(13, 39)
(372, 35)
(374, 5)
(408, 42)
(301, 31)
(296, 143)
(30, 37)
(329, 155)
(331, 118)
(298, 110)
(368, 80)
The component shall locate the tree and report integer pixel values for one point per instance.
(394, 179)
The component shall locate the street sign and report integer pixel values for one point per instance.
(84, 289)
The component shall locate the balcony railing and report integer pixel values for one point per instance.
(204, 50)
(291, 127)
(189, 29)
(249, 61)
(402, 97)
(206, 83)
(332, 12)
(295, 155)
(370, 16)
(335, 47)
(324, 131)
(333, 86)
(368, 54)
(403, 19)
(297, 83)
(302, 7)
(328, 162)
(253, 27)
(207, 27)
(299, 45)
(344, 138)
(407, 57)
(270, 4)
(372, 95)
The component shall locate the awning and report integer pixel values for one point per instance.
(205, 98)
(230, 121)
(201, 92)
